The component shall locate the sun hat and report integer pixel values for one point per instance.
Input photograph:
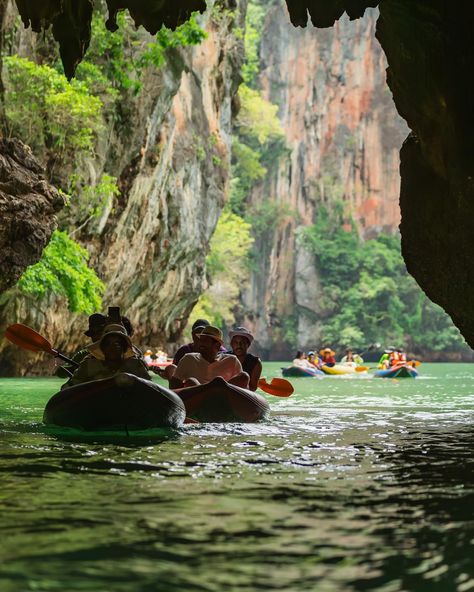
(311, 353)
(199, 324)
(112, 329)
(327, 350)
(243, 332)
(213, 333)
(97, 322)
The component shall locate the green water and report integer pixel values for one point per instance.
(353, 484)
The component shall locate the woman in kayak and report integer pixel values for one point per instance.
(240, 341)
(112, 354)
(327, 357)
(301, 361)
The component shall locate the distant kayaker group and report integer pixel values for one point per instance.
(326, 357)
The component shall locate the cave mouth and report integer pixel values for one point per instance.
(424, 166)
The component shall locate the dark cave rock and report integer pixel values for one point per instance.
(325, 13)
(28, 205)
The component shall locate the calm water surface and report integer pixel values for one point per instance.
(353, 484)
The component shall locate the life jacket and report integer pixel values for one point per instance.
(397, 358)
(394, 358)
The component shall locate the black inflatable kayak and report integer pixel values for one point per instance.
(121, 402)
(218, 401)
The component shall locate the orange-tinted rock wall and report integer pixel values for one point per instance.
(344, 137)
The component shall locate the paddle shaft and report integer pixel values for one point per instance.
(64, 358)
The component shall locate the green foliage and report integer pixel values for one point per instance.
(257, 118)
(259, 139)
(47, 112)
(368, 295)
(189, 33)
(107, 65)
(254, 22)
(63, 270)
(115, 61)
(265, 215)
(94, 198)
(227, 269)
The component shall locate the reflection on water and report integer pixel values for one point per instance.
(351, 485)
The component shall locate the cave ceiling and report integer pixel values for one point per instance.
(430, 64)
(71, 20)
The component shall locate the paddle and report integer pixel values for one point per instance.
(29, 339)
(279, 387)
(361, 368)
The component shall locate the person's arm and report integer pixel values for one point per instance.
(180, 374)
(255, 376)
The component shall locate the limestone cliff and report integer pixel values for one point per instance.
(171, 156)
(344, 137)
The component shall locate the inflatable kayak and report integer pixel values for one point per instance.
(123, 401)
(296, 371)
(218, 401)
(400, 371)
(339, 369)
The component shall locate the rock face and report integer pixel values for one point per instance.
(344, 136)
(171, 156)
(28, 207)
(434, 92)
(428, 48)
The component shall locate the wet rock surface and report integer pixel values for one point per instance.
(28, 208)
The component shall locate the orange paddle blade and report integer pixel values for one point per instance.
(278, 387)
(28, 338)
(361, 368)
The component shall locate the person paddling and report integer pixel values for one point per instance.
(240, 341)
(97, 324)
(208, 363)
(111, 354)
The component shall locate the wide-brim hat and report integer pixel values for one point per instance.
(212, 332)
(327, 350)
(243, 332)
(112, 329)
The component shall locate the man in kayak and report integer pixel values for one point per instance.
(240, 341)
(208, 363)
(111, 354)
(190, 348)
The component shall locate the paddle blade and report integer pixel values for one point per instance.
(361, 368)
(28, 338)
(279, 387)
